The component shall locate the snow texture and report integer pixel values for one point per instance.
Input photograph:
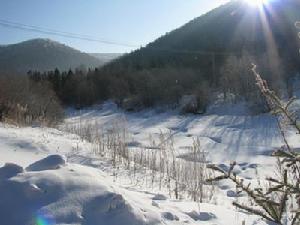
(65, 195)
(64, 183)
(51, 162)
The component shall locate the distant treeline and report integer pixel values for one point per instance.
(40, 97)
(146, 87)
(132, 87)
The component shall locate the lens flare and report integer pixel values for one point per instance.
(44, 220)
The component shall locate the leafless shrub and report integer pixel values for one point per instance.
(22, 102)
(158, 162)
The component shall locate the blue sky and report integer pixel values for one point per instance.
(136, 22)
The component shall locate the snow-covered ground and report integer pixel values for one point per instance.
(227, 132)
(80, 189)
(52, 192)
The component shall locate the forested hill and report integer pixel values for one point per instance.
(230, 29)
(215, 51)
(42, 55)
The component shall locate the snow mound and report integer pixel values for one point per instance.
(159, 197)
(71, 194)
(110, 208)
(10, 170)
(233, 194)
(169, 216)
(51, 162)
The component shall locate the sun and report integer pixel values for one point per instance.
(257, 2)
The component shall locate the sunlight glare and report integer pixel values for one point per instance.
(256, 2)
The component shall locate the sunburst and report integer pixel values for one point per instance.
(257, 2)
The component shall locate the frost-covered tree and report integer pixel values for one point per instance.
(280, 201)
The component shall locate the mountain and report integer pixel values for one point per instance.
(42, 55)
(227, 30)
(212, 53)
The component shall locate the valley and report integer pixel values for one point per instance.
(227, 133)
(150, 112)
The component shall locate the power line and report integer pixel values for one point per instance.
(43, 30)
(195, 52)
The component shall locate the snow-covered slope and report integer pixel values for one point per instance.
(81, 188)
(26, 145)
(55, 192)
(227, 132)
(65, 194)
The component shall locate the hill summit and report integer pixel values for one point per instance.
(43, 54)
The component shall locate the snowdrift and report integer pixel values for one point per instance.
(52, 192)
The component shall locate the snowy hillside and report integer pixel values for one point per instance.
(64, 194)
(52, 191)
(73, 194)
(227, 132)
(75, 186)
